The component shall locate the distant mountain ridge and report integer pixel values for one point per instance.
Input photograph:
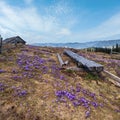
(105, 43)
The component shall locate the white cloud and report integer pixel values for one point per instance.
(18, 19)
(29, 24)
(35, 27)
(14, 20)
(64, 32)
(6, 32)
(109, 29)
(58, 8)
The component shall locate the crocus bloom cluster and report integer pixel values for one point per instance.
(18, 91)
(87, 99)
(69, 95)
(30, 65)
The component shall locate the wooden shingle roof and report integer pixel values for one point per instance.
(15, 39)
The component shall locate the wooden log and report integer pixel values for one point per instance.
(90, 65)
(60, 60)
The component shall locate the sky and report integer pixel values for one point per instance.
(60, 21)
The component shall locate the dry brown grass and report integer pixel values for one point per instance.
(40, 101)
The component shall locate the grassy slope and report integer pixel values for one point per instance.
(40, 102)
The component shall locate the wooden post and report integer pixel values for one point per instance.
(85, 50)
(0, 44)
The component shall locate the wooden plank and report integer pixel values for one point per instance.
(116, 78)
(90, 65)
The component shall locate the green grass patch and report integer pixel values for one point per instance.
(90, 76)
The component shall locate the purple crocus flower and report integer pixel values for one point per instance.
(2, 71)
(69, 95)
(17, 77)
(62, 77)
(1, 86)
(116, 110)
(76, 103)
(22, 93)
(87, 114)
(95, 104)
(27, 68)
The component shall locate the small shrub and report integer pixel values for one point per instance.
(69, 71)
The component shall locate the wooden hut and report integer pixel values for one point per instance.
(14, 40)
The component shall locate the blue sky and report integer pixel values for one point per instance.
(49, 21)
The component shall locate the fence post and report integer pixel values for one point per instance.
(0, 44)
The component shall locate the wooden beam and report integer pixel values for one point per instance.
(116, 78)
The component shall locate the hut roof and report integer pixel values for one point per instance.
(15, 39)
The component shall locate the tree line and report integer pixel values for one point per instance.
(113, 49)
